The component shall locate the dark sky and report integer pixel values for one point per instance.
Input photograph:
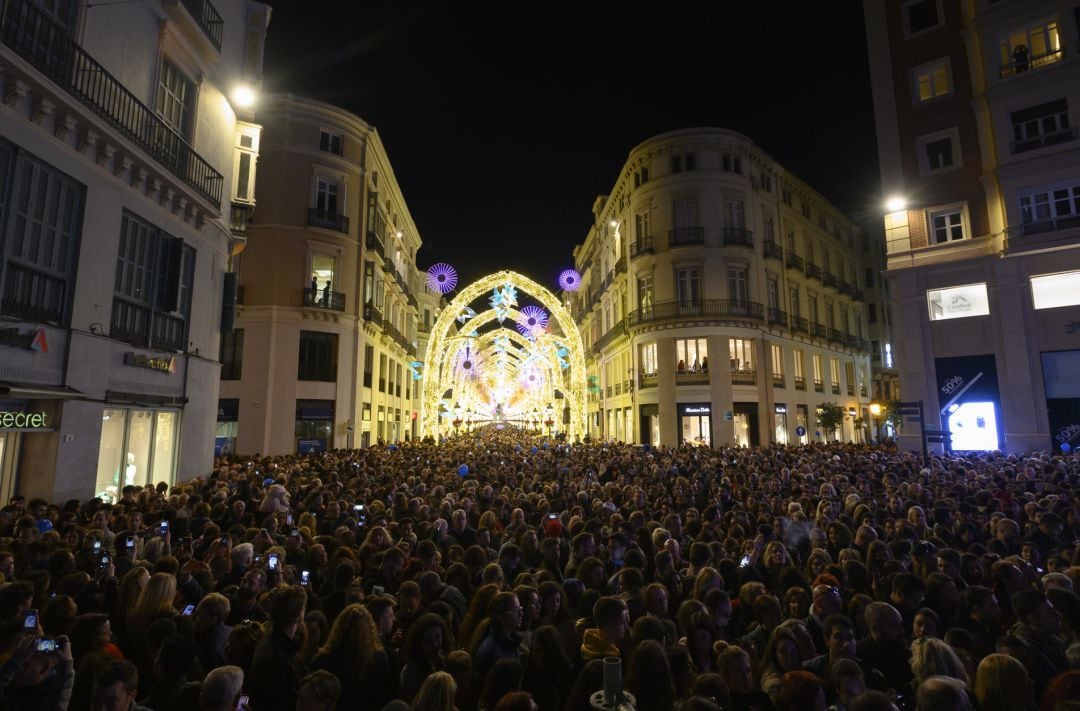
(503, 121)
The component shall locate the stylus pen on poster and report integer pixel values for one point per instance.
(958, 395)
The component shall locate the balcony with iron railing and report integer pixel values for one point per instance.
(800, 324)
(613, 333)
(373, 315)
(139, 325)
(819, 386)
(686, 235)
(743, 376)
(777, 317)
(642, 246)
(862, 390)
(837, 336)
(800, 382)
(818, 330)
(620, 266)
(813, 271)
(859, 295)
(737, 236)
(372, 243)
(328, 220)
(836, 388)
(846, 288)
(829, 279)
(850, 390)
(692, 377)
(206, 17)
(773, 250)
(46, 45)
(794, 261)
(324, 299)
(778, 380)
(33, 295)
(647, 380)
(1031, 62)
(713, 309)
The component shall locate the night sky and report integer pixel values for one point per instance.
(504, 121)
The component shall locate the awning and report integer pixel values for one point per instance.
(39, 392)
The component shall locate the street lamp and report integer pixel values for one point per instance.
(896, 203)
(875, 412)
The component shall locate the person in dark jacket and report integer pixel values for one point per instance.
(501, 640)
(354, 654)
(276, 669)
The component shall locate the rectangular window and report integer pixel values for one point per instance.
(330, 142)
(849, 377)
(777, 361)
(326, 198)
(772, 292)
(176, 99)
(685, 213)
(688, 284)
(868, 277)
(812, 303)
(690, 161)
(958, 302)
(1051, 291)
(318, 357)
(247, 152)
(947, 225)
(931, 81)
(369, 364)
(938, 152)
(648, 358)
(741, 351)
(691, 353)
(40, 229)
(645, 291)
(800, 364)
(770, 230)
(676, 164)
(155, 273)
(794, 299)
(737, 287)
(834, 372)
(642, 228)
(1043, 125)
(819, 371)
(232, 354)
(137, 447)
(873, 312)
(382, 372)
(732, 163)
(1030, 48)
(735, 213)
(921, 15)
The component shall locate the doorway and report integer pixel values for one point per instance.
(746, 424)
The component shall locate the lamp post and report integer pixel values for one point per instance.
(875, 412)
(550, 419)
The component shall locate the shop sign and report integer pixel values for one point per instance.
(24, 421)
(697, 410)
(163, 364)
(35, 340)
(780, 409)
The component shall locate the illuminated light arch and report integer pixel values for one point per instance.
(444, 344)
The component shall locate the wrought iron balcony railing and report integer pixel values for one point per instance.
(207, 17)
(1034, 61)
(686, 235)
(794, 261)
(1043, 140)
(799, 323)
(642, 246)
(738, 236)
(647, 380)
(743, 376)
(800, 382)
(33, 295)
(773, 250)
(324, 299)
(819, 330)
(47, 46)
(813, 271)
(829, 279)
(372, 243)
(778, 317)
(718, 309)
(330, 220)
(373, 315)
(697, 377)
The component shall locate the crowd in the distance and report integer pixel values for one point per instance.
(497, 571)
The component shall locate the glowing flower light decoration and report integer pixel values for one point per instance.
(441, 278)
(531, 320)
(531, 378)
(569, 280)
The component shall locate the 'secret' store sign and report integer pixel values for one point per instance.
(26, 421)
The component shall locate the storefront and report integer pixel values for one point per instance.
(970, 402)
(802, 424)
(649, 423)
(745, 418)
(315, 425)
(1062, 386)
(138, 447)
(695, 423)
(21, 421)
(780, 429)
(228, 421)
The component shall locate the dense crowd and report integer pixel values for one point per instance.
(497, 571)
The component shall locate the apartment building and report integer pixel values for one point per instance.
(975, 104)
(722, 300)
(127, 147)
(326, 328)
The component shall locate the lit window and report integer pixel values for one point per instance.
(648, 358)
(931, 81)
(1051, 291)
(1030, 48)
(958, 302)
(1049, 208)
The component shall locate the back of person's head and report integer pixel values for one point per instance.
(1026, 602)
(287, 606)
(1001, 682)
(712, 686)
(321, 689)
(115, 683)
(647, 627)
(799, 690)
(942, 692)
(516, 701)
(608, 611)
(436, 693)
(220, 688)
(932, 657)
(873, 700)
(1062, 689)
(176, 657)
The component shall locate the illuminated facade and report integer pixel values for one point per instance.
(721, 300)
(975, 107)
(327, 326)
(126, 169)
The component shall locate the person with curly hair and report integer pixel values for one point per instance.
(354, 653)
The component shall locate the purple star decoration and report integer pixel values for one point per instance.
(441, 278)
(569, 280)
(532, 320)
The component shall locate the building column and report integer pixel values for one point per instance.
(666, 393)
(720, 394)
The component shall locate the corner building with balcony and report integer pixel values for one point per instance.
(976, 106)
(125, 152)
(326, 327)
(721, 300)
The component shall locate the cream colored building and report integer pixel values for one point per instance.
(721, 300)
(328, 321)
(976, 105)
(128, 146)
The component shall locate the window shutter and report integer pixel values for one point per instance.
(172, 253)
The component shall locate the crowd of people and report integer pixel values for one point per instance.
(498, 571)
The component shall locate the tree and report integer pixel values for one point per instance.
(830, 417)
(893, 416)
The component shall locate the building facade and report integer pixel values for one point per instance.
(721, 300)
(124, 129)
(979, 164)
(326, 331)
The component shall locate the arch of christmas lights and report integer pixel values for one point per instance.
(516, 374)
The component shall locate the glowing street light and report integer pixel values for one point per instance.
(895, 204)
(243, 96)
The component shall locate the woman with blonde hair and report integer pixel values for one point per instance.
(378, 537)
(707, 579)
(154, 602)
(932, 657)
(1002, 684)
(354, 653)
(436, 693)
(131, 586)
